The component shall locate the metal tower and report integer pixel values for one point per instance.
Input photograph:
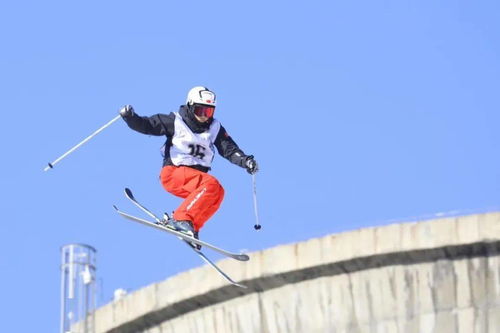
(78, 288)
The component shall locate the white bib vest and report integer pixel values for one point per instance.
(190, 148)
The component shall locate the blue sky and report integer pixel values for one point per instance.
(359, 112)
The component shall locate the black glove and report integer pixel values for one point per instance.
(126, 111)
(251, 165)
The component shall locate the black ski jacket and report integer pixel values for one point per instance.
(163, 124)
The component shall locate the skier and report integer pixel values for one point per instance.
(192, 133)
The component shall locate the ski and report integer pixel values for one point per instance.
(187, 240)
(237, 256)
(159, 225)
(130, 196)
(208, 261)
(159, 222)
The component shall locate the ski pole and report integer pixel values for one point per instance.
(51, 165)
(257, 225)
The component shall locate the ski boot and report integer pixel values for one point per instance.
(186, 227)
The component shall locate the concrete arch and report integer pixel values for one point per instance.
(440, 275)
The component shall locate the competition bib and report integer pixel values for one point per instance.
(190, 148)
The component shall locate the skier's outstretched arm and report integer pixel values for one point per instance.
(228, 149)
(159, 124)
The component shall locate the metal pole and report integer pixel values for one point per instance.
(51, 165)
(63, 291)
(257, 225)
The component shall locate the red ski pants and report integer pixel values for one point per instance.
(202, 193)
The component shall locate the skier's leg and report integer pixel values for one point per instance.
(206, 212)
(175, 180)
(202, 192)
(202, 203)
(180, 183)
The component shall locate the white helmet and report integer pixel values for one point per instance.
(200, 95)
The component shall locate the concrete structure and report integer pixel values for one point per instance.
(441, 275)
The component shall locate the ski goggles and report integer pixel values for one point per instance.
(204, 110)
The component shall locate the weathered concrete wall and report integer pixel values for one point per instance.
(434, 276)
